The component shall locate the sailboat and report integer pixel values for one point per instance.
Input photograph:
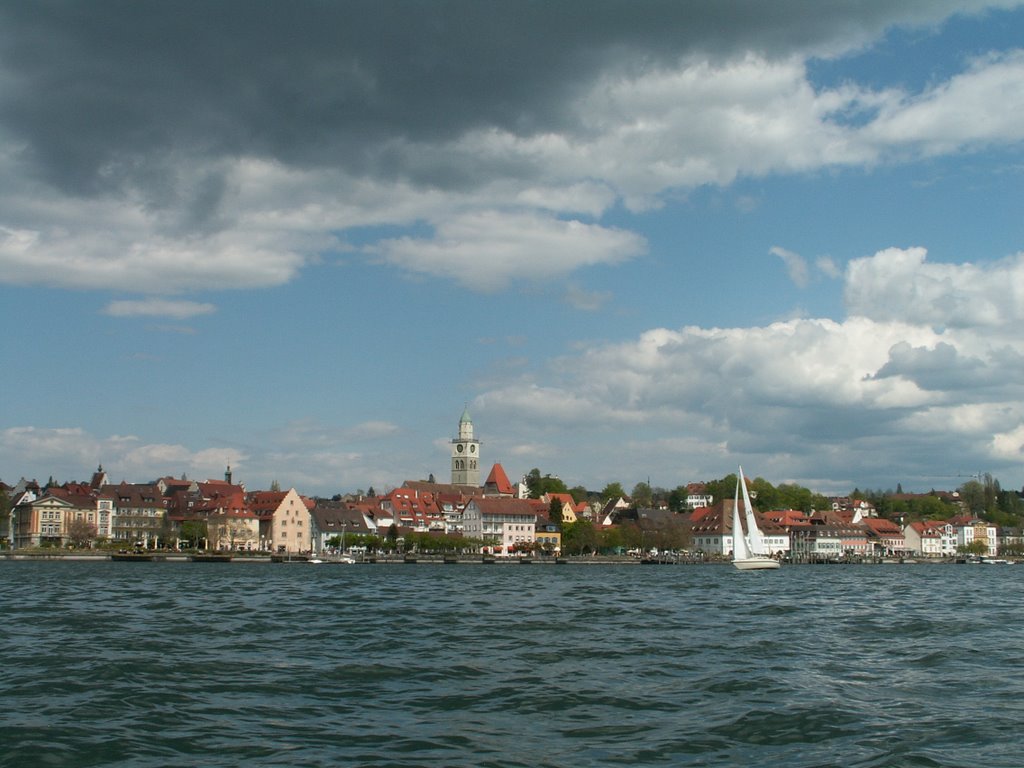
(749, 553)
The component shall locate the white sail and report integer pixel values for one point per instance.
(758, 547)
(740, 550)
(742, 556)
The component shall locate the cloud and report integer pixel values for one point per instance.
(796, 266)
(71, 452)
(915, 373)
(973, 108)
(353, 82)
(828, 267)
(587, 301)
(136, 258)
(900, 284)
(799, 270)
(178, 310)
(141, 156)
(489, 250)
(928, 367)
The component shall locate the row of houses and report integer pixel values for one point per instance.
(157, 514)
(839, 533)
(161, 514)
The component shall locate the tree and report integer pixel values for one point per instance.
(193, 532)
(972, 494)
(611, 540)
(538, 485)
(579, 493)
(81, 532)
(579, 537)
(721, 489)
(677, 498)
(612, 491)
(642, 495)
(976, 547)
(555, 511)
(533, 483)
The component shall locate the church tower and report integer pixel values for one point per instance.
(466, 454)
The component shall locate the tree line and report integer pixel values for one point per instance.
(982, 497)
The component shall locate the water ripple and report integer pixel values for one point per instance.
(173, 664)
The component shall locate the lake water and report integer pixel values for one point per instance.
(167, 664)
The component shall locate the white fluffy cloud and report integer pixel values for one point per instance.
(976, 107)
(930, 357)
(898, 284)
(489, 250)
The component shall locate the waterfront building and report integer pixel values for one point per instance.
(815, 540)
(500, 523)
(22, 493)
(707, 526)
(548, 536)
(885, 537)
(1009, 537)
(971, 529)
(449, 499)
(711, 530)
(924, 538)
(854, 535)
(286, 522)
(138, 513)
(231, 523)
(56, 518)
(413, 509)
(337, 519)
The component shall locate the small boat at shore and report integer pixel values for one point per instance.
(132, 557)
(210, 558)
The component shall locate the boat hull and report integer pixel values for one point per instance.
(756, 564)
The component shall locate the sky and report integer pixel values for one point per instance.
(641, 241)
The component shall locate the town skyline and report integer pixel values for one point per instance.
(640, 242)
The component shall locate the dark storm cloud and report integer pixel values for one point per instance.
(101, 95)
(944, 368)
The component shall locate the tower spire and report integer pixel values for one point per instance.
(466, 453)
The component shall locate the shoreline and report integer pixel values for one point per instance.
(184, 557)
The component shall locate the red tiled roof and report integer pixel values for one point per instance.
(880, 525)
(499, 480)
(787, 517)
(494, 506)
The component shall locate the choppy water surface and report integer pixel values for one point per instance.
(166, 664)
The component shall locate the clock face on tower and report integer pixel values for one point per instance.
(459, 447)
(472, 449)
